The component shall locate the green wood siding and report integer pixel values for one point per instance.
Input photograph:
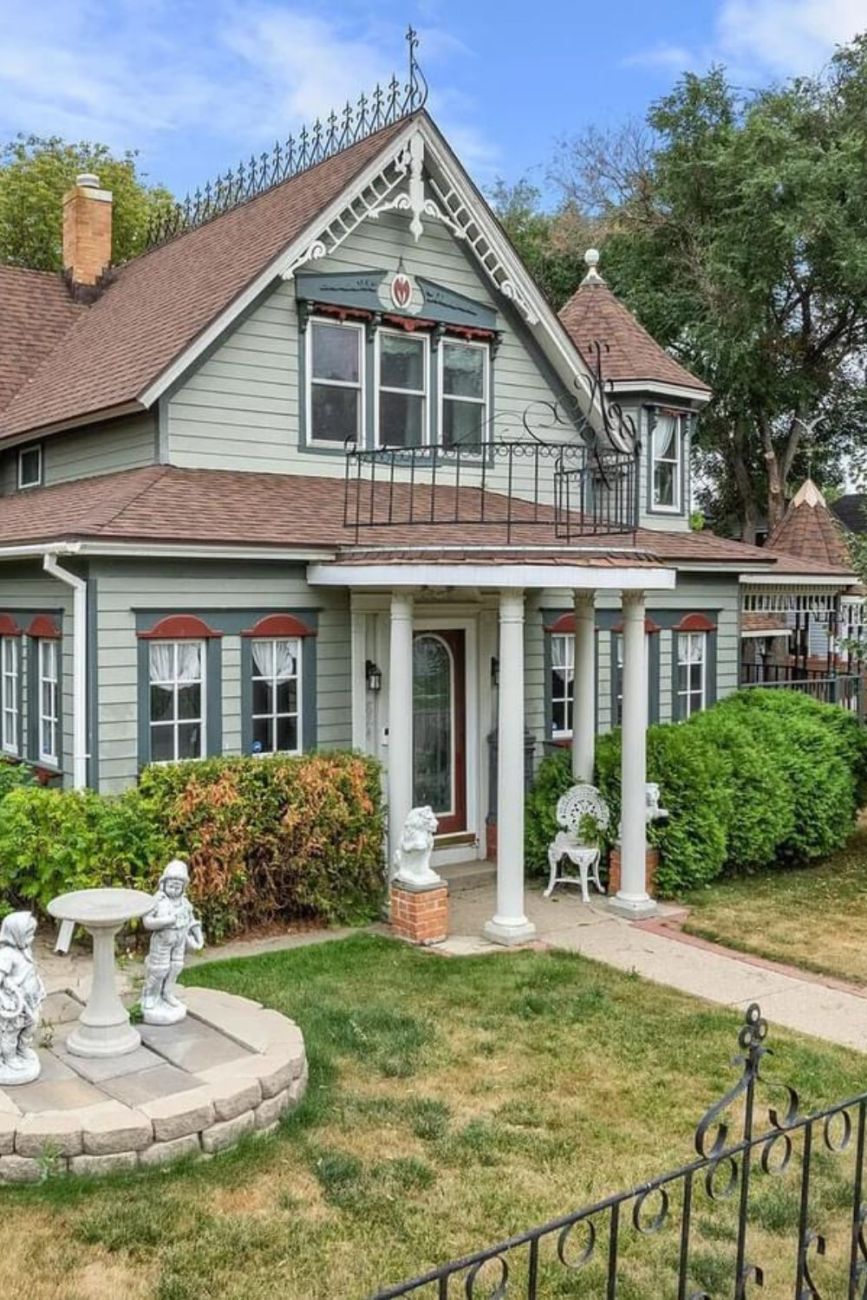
(102, 449)
(241, 408)
(128, 587)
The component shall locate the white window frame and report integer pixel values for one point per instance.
(175, 721)
(10, 680)
(685, 696)
(483, 402)
(48, 754)
(379, 388)
(568, 670)
(677, 461)
(33, 483)
(360, 387)
(273, 679)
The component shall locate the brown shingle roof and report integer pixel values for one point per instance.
(166, 504)
(35, 312)
(159, 303)
(593, 314)
(809, 531)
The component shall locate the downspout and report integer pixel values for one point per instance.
(79, 666)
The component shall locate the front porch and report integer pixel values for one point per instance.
(435, 752)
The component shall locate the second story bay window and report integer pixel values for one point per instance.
(402, 408)
(666, 462)
(336, 385)
(463, 392)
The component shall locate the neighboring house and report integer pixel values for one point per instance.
(334, 439)
(814, 638)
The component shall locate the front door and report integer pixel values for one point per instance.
(439, 727)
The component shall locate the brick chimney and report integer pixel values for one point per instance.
(86, 236)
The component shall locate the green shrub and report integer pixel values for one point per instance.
(274, 838)
(52, 841)
(13, 775)
(763, 815)
(766, 778)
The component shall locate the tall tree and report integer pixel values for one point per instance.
(740, 240)
(35, 173)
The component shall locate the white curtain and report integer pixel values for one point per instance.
(162, 661)
(277, 658)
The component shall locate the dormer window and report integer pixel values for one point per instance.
(30, 467)
(335, 366)
(666, 468)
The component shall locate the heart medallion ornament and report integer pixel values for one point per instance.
(401, 290)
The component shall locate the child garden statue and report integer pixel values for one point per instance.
(174, 929)
(21, 996)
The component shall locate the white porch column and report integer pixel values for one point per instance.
(399, 719)
(632, 897)
(584, 687)
(509, 924)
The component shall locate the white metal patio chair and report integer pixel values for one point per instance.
(572, 808)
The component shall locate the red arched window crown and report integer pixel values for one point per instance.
(180, 627)
(45, 627)
(649, 626)
(8, 626)
(695, 623)
(565, 623)
(279, 626)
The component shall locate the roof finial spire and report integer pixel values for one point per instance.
(591, 258)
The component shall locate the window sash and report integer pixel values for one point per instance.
(671, 462)
(419, 394)
(691, 673)
(179, 722)
(461, 399)
(273, 678)
(48, 713)
(24, 454)
(344, 385)
(9, 682)
(562, 683)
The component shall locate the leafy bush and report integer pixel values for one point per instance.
(52, 841)
(266, 838)
(767, 777)
(274, 838)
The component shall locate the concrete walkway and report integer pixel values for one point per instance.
(797, 1000)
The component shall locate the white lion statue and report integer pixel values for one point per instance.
(412, 857)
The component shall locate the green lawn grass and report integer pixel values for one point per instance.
(815, 917)
(451, 1103)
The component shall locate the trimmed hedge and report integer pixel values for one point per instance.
(267, 839)
(765, 778)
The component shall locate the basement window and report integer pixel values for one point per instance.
(30, 467)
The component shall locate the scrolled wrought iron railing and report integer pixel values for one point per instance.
(601, 1242)
(573, 489)
(384, 106)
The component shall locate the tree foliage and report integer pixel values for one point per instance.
(35, 173)
(735, 226)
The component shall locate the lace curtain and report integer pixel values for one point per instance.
(162, 662)
(275, 658)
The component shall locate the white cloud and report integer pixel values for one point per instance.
(133, 73)
(762, 38)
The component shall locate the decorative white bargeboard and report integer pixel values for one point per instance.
(584, 816)
(21, 997)
(411, 864)
(174, 930)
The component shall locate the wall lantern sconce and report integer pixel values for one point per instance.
(373, 676)
(495, 671)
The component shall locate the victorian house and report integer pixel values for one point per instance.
(322, 468)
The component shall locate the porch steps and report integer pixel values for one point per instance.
(467, 875)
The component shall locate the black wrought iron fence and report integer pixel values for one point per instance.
(600, 1245)
(575, 490)
(845, 689)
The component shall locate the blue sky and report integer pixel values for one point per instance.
(195, 84)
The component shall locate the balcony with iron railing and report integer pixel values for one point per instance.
(574, 490)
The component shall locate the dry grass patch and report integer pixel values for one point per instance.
(450, 1104)
(814, 917)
